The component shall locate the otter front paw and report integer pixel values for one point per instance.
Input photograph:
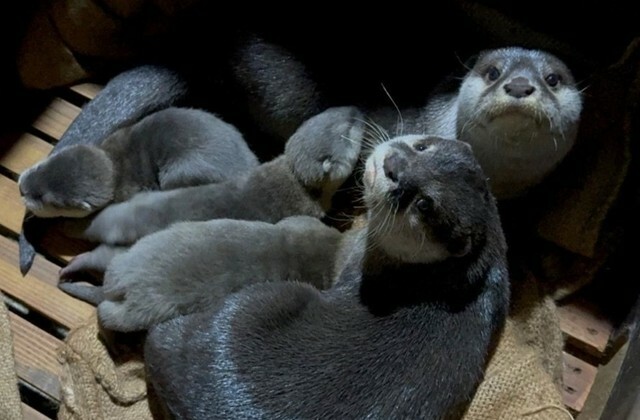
(96, 260)
(137, 292)
(124, 223)
(325, 149)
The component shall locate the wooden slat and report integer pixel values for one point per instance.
(24, 153)
(88, 90)
(37, 289)
(585, 327)
(578, 378)
(12, 212)
(35, 356)
(56, 118)
(12, 209)
(29, 413)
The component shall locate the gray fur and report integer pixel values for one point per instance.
(127, 98)
(319, 156)
(175, 147)
(207, 261)
(398, 335)
(517, 140)
(279, 92)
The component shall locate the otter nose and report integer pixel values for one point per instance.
(392, 166)
(520, 87)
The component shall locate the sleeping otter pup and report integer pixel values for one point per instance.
(405, 330)
(175, 147)
(317, 159)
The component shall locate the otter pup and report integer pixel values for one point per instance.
(317, 159)
(404, 331)
(208, 261)
(175, 147)
(518, 108)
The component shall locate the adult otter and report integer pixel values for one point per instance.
(172, 148)
(518, 108)
(404, 332)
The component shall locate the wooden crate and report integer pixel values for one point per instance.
(41, 313)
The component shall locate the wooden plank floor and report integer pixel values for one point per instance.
(40, 314)
(35, 297)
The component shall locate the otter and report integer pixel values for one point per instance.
(208, 261)
(518, 108)
(403, 330)
(317, 160)
(172, 148)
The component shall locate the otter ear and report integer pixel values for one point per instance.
(459, 247)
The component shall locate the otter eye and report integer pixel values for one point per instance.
(424, 204)
(420, 147)
(493, 73)
(553, 79)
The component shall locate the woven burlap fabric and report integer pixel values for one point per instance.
(516, 385)
(524, 374)
(97, 386)
(10, 407)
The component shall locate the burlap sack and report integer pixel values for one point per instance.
(10, 407)
(524, 374)
(96, 386)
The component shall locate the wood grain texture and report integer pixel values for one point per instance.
(88, 90)
(578, 378)
(38, 289)
(585, 327)
(56, 118)
(11, 207)
(24, 153)
(35, 356)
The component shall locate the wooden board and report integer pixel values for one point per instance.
(88, 90)
(24, 153)
(585, 327)
(37, 293)
(35, 356)
(578, 378)
(38, 289)
(56, 118)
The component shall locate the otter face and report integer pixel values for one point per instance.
(428, 198)
(74, 182)
(520, 111)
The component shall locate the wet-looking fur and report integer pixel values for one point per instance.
(404, 331)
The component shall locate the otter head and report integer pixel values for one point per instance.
(520, 110)
(74, 182)
(428, 199)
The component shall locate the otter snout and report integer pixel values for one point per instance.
(392, 166)
(519, 87)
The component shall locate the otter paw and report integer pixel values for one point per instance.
(135, 295)
(326, 147)
(96, 260)
(124, 223)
